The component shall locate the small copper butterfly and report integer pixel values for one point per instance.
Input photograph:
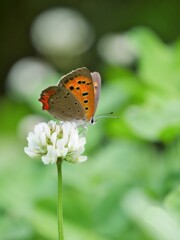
(75, 98)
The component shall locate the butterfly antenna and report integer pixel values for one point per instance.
(107, 115)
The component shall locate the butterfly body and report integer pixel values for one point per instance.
(75, 97)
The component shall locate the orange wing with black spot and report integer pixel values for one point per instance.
(80, 83)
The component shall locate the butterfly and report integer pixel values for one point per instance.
(75, 98)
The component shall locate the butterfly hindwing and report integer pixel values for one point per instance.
(61, 104)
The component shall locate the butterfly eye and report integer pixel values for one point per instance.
(92, 120)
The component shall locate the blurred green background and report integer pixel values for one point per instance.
(129, 188)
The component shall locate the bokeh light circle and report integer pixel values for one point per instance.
(26, 75)
(61, 31)
(117, 49)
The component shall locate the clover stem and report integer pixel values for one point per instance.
(60, 201)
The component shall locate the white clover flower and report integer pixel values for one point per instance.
(52, 141)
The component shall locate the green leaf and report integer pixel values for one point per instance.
(158, 65)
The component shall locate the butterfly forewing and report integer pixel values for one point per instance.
(80, 84)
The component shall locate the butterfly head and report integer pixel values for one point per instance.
(92, 121)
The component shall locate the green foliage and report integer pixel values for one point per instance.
(129, 187)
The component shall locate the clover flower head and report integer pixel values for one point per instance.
(52, 141)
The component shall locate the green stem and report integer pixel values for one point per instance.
(60, 201)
